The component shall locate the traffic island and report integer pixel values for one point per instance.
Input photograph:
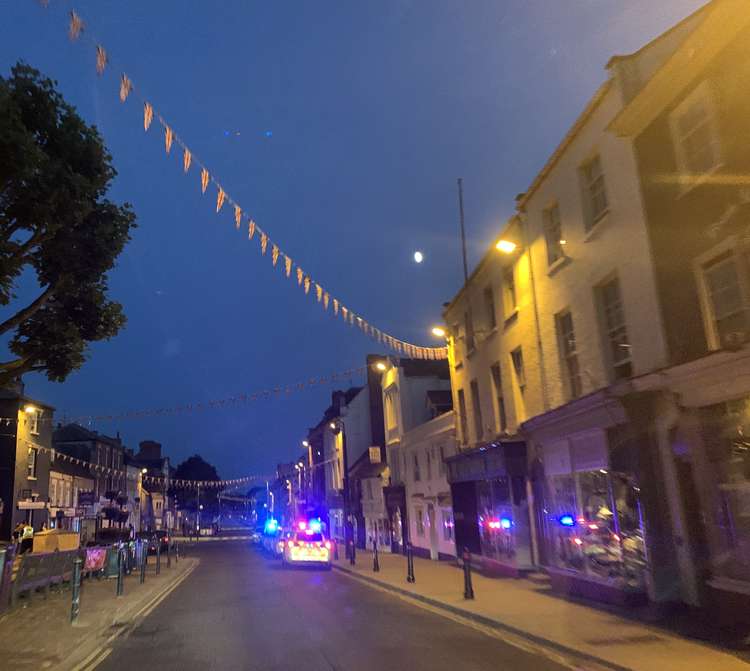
(526, 612)
(38, 634)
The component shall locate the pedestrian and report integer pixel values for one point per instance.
(27, 538)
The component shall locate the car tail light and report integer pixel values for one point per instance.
(328, 545)
(290, 544)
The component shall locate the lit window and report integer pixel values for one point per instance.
(34, 418)
(694, 132)
(448, 524)
(594, 192)
(553, 234)
(616, 343)
(31, 463)
(420, 521)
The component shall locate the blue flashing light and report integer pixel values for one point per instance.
(271, 526)
(506, 522)
(567, 520)
(315, 526)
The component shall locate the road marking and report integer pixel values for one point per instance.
(102, 652)
(515, 641)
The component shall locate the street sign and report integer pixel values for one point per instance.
(86, 498)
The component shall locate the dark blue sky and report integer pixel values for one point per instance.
(375, 109)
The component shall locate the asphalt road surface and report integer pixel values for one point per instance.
(241, 610)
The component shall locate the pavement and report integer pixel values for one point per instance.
(37, 633)
(241, 610)
(527, 610)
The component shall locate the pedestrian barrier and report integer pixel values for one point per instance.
(37, 571)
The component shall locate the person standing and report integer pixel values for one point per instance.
(27, 538)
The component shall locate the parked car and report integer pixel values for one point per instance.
(155, 538)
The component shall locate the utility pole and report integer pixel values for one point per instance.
(463, 230)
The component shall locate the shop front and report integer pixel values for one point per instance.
(491, 508)
(589, 502)
(395, 504)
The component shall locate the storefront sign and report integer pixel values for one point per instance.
(86, 498)
(32, 505)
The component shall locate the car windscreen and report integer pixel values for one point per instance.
(309, 538)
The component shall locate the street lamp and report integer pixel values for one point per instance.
(305, 443)
(505, 246)
(438, 331)
(29, 409)
(380, 365)
(144, 471)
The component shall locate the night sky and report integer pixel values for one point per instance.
(341, 127)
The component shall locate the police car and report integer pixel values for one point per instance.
(307, 546)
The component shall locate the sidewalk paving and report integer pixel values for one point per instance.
(526, 608)
(37, 633)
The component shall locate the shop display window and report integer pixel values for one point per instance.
(503, 525)
(595, 526)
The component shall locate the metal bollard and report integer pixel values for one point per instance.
(75, 607)
(144, 559)
(336, 550)
(176, 552)
(120, 570)
(352, 553)
(158, 557)
(375, 562)
(468, 587)
(409, 563)
(169, 555)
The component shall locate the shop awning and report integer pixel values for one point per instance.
(493, 460)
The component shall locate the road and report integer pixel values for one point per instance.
(241, 610)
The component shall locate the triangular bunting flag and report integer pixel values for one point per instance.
(148, 115)
(274, 255)
(126, 86)
(335, 306)
(76, 26)
(300, 275)
(307, 285)
(287, 265)
(237, 216)
(167, 138)
(101, 59)
(345, 313)
(318, 292)
(220, 199)
(250, 230)
(263, 243)
(326, 298)
(204, 180)
(187, 158)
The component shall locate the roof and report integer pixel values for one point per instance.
(425, 368)
(9, 394)
(721, 24)
(75, 433)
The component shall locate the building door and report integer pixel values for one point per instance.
(466, 520)
(433, 531)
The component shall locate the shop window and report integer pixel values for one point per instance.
(595, 527)
(448, 524)
(53, 493)
(724, 299)
(504, 533)
(34, 417)
(419, 518)
(516, 357)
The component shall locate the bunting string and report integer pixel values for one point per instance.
(344, 376)
(75, 28)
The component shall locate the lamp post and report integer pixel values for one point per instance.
(337, 427)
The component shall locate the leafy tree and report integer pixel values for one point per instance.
(56, 223)
(196, 468)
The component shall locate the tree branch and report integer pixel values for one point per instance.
(29, 310)
(14, 365)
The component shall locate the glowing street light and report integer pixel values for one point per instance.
(438, 331)
(418, 257)
(381, 366)
(332, 426)
(29, 409)
(505, 246)
(144, 471)
(305, 443)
